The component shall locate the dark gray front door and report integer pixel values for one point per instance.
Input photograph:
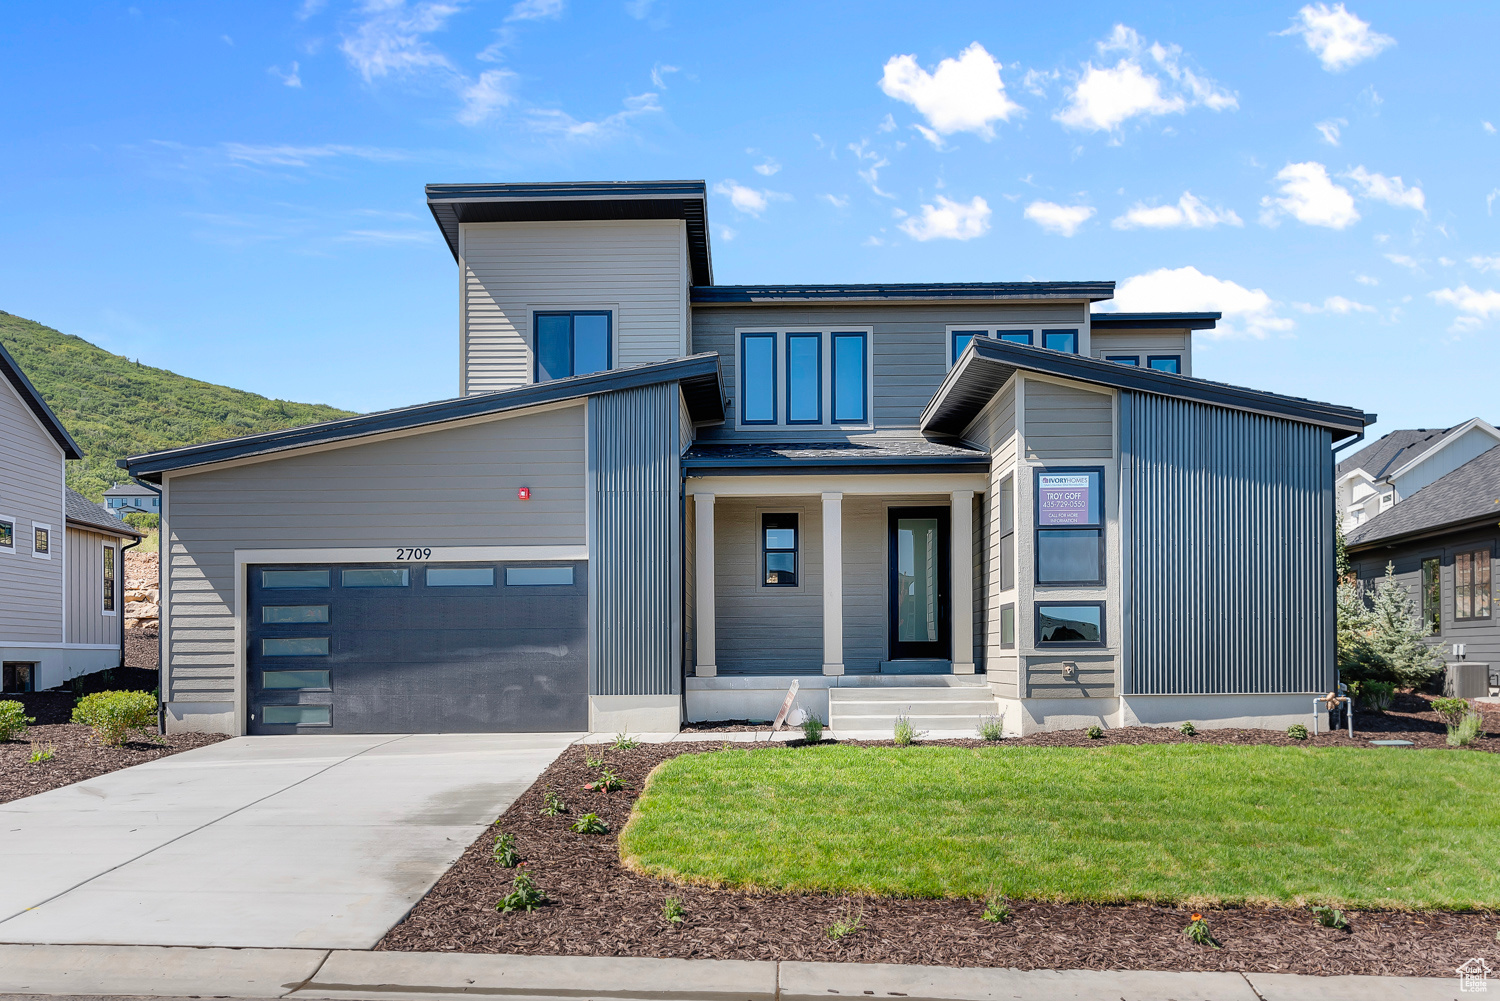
(919, 546)
(417, 647)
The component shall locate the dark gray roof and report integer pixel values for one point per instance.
(452, 204)
(987, 363)
(1468, 495)
(127, 490)
(698, 375)
(38, 406)
(952, 292)
(82, 511)
(1393, 450)
(864, 453)
(1154, 321)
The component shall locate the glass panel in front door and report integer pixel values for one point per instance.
(917, 580)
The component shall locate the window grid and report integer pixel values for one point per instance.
(109, 579)
(1471, 585)
(1432, 595)
(41, 541)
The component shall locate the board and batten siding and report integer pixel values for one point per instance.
(909, 352)
(636, 563)
(1065, 422)
(637, 268)
(31, 491)
(444, 487)
(1229, 550)
(87, 622)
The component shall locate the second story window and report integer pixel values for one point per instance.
(803, 378)
(1166, 363)
(1055, 338)
(574, 343)
(1061, 340)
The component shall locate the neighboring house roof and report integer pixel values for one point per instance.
(38, 405)
(1393, 450)
(711, 295)
(128, 490)
(452, 204)
(1154, 321)
(867, 453)
(987, 363)
(82, 511)
(698, 376)
(1468, 495)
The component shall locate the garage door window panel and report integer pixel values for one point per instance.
(460, 576)
(293, 615)
(297, 715)
(294, 646)
(287, 579)
(377, 578)
(539, 576)
(317, 680)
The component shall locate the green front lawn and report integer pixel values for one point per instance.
(1168, 823)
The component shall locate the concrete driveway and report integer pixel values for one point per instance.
(299, 842)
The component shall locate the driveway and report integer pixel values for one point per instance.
(296, 841)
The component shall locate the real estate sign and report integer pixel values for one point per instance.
(1063, 499)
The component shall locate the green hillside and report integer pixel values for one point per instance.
(114, 407)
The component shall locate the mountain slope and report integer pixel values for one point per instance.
(114, 407)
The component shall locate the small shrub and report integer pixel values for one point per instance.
(505, 850)
(1197, 932)
(523, 896)
(624, 742)
(13, 720)
(1297, 731)
(1468, 730)
(41, 754)
(992, 728)
(904, 733)
(1187, 729)
(590, 823)
(608, 780)
(1378, 695)
(847, 924)
(552, 804)
(1330, 917)
(672, 911)
(592, 761)
(1450, 711)
(1094, 732)
(112, 715)
(996, 907)
(812, 729)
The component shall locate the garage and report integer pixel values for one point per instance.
(417, 647)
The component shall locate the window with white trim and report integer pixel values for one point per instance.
(41, 541)
(109, 579)
(7, 534)
(803, 377)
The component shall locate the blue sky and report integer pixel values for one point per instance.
(234, 191)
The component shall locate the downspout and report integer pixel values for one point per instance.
(120, 597)
(161, 653)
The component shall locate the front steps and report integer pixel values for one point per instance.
(944, 709)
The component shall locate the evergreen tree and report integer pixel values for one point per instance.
(1358, 658)
(1399, 635)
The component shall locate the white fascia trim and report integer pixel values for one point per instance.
(387, 554)
(813, 486)
(1448, 439)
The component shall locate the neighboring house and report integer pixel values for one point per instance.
(61, 575)
(131, 498)
(658, 499)
(1387, 471)
(1443, 541)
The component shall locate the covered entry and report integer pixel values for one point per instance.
(417, 647)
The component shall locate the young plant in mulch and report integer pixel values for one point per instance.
(848, 923)
(624, 742)
(590, 823)
(1187, 729)
(996, 907)
(1094, 732)
(1197, 932)
(992, 728)
(1330, 917)
(1469, 729)
(606, 778)
(904, 733)
(672, 912)
(505, 851)
(13, 720)
(1297, 731)
(552, 804)
(812, 729)
(524, 894)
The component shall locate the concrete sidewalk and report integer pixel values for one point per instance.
(144, 971)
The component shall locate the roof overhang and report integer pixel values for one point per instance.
(1153, 321)
(777, 466)
(738, 295)
(455, 204)
(1356, 545)
(987, 364)
(38, 406)
(697, 375)
(1449, 437)
(119, 529)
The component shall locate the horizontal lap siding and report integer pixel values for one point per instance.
(31, 490)
(513, 268)
(87, 622)
(1481, 637)
(1143, 343)
(767, 630)
(453, 487)
(1230, 550)
(1064, 422)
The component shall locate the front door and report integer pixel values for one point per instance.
(919, 549)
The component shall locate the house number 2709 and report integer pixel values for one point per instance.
(413, 554)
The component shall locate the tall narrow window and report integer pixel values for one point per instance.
(1165, 363)
(1007, 515)
(1016, 336)
(778, 542)
(804, 378)
(1069, 526)
(109, 579)
(574, 343)
(961, 339)
(41, 541)
(1432, 595)
(1471, 585)
(1007, 627)
(758, 379)
(1061, 340)
(851, 378)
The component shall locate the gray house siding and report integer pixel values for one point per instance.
(770, 630)
(1229, 550)
(87, 622)
(994, 430)
(636, 554)
(31, 491)
(448, 487)
(1066, 422)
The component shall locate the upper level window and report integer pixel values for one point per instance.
(851, 378)
(958, 340)
(41, 541)
(7, 534)
(1057, 338)
(1124, 359)
(1165, 363)
(1061, 340)
(574, 343)
(1471, 585)
(778, 542)
(758, 379)
(804, 377)
(1069, 526)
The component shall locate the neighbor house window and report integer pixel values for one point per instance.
(804, 378)
(7, 534)
(1069, 526)
(1007, 627)
(1124, 359)
(1471, 585)
(1061, 340)
(851, 378)
(1007, 528)
(109, 580)
(778, 546)
(573, 343)
(41, 541)
(1432, 595)
(1165, 363)
(1069, 624)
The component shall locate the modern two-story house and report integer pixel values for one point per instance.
(659, 499)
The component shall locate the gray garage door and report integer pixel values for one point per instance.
(417, 648)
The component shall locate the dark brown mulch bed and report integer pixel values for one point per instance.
(142, 648)
(78, 755)
(600, 908)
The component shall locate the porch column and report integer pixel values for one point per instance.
(833, 583)
(703, 552)
(961, 561)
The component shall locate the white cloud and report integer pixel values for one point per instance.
(1329, 129)
(1036, 81)
(487, 95)
(870, 174)
(837, 201)
(932, 137)
(309, 8)
(726, 234)
(1147, 80)
(535, 10)
(1485, 263)
(385, 236)
(562, 123)
(1488, 127)
(1246, 311)
(659, 75)
(1309, 196)
(1474, 306)
(391, 39)
(961, 95)
(305, 156)
(639, 9)
(1406, 262)
(949, 220)
(750, 201)
(1063, 220)
(1189, 213)
(1367, 280)
(1337, 37)
(1337, 304)
(289, 76)
(887, 124)
(769, 167)
(1388, 189)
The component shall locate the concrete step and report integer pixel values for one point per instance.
(884, 724)
(921, 707)
(894, 695)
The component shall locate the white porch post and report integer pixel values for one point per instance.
(833, 583)
(703, 550)
(961, 562)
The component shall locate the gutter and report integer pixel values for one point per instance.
(161, 653)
